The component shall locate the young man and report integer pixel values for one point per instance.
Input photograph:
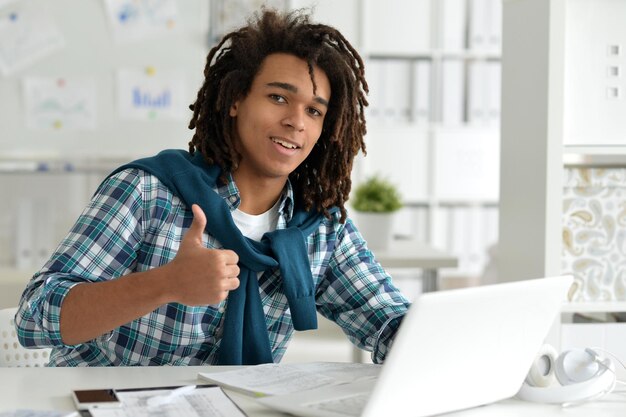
(215, 255)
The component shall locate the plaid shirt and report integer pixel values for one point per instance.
(134, 223)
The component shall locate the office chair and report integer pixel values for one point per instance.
(12, 354)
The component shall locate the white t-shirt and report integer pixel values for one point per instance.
(255, 226)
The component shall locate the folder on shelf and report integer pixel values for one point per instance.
(477, 92)
(397, 99)
(453, 24)
(453, 92)
(420, 106)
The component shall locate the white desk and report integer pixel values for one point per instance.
(410, 254)
(50, 388)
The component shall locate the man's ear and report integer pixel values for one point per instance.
(233, 109)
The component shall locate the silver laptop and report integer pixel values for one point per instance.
(454, 350)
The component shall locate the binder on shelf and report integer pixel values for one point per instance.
(375, 76)
(483, 92)
(441, 231)
(477, 93)
(460, 237)
(493, 93)
(397, 98)
(452, 92)
(421, 92)
(453, 25)
(397, 27)
(477, 32)
(494, 40)
(477, 248)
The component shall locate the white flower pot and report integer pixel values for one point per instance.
(376, 229)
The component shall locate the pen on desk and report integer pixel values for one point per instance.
(171, 396)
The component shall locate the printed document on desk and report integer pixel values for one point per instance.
(205, 401)
(280, 379)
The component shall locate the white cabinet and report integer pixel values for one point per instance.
(557, 106)
(595, 62)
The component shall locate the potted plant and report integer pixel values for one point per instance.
(376, 200)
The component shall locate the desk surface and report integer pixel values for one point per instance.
(49, 388)
(411, 254)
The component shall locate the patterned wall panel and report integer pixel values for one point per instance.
(594, 233)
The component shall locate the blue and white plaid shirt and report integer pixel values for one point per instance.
(134, 223)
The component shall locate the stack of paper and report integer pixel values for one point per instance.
(277, 379)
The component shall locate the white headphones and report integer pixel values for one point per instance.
(581, 373)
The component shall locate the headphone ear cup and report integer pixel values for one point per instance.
(541, 372)
(576, 365)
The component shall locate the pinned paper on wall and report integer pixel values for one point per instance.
(6, 3)
(26, 35)
(60, 104)
(136, 20)
(151, 94)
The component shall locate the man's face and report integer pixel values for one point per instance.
(280, 120)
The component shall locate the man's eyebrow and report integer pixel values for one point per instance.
(292, 88)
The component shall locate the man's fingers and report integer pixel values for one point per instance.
(232, 284)
(197, 225)
(231, 271)
(230, 257)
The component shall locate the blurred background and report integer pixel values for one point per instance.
(88, 85)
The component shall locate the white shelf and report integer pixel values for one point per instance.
(438, 54)
(58, 165)
(594, 307)
(595, 156)
(487, 202)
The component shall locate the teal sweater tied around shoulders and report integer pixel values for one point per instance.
(245, 339)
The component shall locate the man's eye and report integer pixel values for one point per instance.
(314, 112)
(277, 98)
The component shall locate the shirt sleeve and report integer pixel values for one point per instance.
(358, 295)
(101, 246)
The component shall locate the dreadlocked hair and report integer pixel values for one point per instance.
(322, 180)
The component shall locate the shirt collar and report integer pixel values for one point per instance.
(230, 193)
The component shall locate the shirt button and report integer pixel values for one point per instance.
(221, 309)
(232, 198)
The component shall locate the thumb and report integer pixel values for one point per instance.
(197, 225)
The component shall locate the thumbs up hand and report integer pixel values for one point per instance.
(198, 275)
